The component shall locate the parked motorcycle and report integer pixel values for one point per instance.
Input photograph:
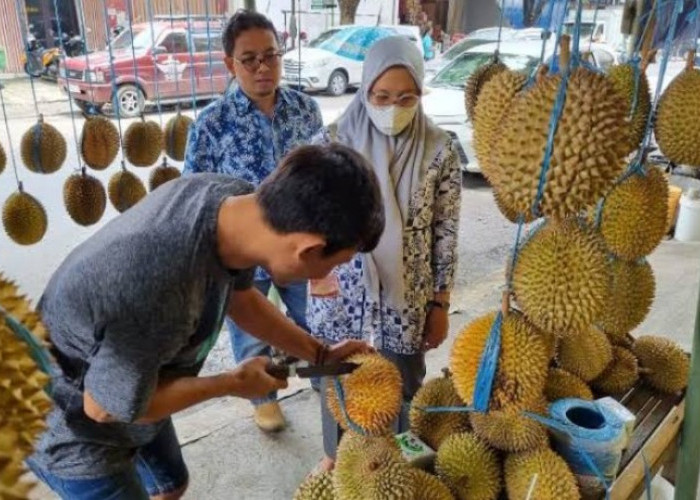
(42, 62)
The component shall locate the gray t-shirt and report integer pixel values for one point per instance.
(141, 300)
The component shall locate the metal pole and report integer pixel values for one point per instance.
(689, 452)
(249, 4)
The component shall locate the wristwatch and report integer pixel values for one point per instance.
(438, 303)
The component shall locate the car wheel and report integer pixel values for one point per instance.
(130, 101)
(337, 83)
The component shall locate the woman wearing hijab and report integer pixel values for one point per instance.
(396, 297)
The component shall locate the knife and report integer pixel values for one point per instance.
(285, 370)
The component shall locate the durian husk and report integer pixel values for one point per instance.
(623, 79)
(586, 354)
(469, 467)
(143, 143)
(99, 142)
(631, 294)
(24, 218)
(562, 384)
(429, 487)
(588, 153)
(373, 394)
(665, 365)
(43, 148)
(84, 198)
(175, 134)
(554, 481)
(162, 174)
(476, 82)
(561, 277)
(316, 487)
(510, 430)
(20, 308)
(125, 190)
(620, 375)
(371, 467)
(635, 215)
(677, 118)
(3, 159)
(434, 428)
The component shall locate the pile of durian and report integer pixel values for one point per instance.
(24, 402)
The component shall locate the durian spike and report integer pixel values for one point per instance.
(690, 59)
(565, 51)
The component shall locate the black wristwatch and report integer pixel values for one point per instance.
(440, 304)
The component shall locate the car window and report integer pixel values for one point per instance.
(204, 42)
(462, 46)
(142, 39)
(456, 73)
(175, 43)
(322, 37)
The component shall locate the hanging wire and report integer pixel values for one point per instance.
(697, 25)
(9, 138)
(85, 48)
(190, 41)
(500, 29)
(25, 34)
(173, 61)
(113, 78)
(130, 16)
(155, 69)
(595, 20)
(211, 66)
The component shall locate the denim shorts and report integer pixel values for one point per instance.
(158, 469)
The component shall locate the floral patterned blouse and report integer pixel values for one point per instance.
(430, 258)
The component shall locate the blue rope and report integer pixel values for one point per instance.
(85, 46)
(130, 16)
(488, 365)
(9, 139)
(25, 33)
(211, 66)
(155, 71)
(647, 477)
(595, 20)
(447, 409)
(697, 25)
(340, 393)
(189, 48)
(500, 27)
(113, 78)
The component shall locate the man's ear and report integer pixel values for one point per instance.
(309, 245)
(228, 61)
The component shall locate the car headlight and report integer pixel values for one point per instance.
(96, 76)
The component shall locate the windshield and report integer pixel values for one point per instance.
(142, 40)
(322, 38)
(462, 46)
(585, 30)
(456, 73)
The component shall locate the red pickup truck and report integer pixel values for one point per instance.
(166, 61)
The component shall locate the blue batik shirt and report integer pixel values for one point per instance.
(232, 136)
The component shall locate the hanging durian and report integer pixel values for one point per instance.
(629, 299)
(477, 80)
(99, 142)
(316, 487)
(663, 363)
(510, 429)
(469, 467)
(554, 480)
(85, 198)
(175, 133)
(3, 159)
(43, 148)
(586, 354)
(561, 277)
(620, 375)
(678, 115)
(434, 428)
(24, 218)
(143, 143)
(373, 394)
(634, 88)
(562, 384)
(162, 174)
(634, 218)
(125, 190)
(588, 153)
(429, 487)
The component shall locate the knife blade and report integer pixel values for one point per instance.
(283, 371)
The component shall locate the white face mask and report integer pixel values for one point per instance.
(391, 120)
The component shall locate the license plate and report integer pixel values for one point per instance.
(73, 88)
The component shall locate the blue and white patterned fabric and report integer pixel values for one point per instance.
(232, 136)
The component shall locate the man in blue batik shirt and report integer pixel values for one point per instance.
(245, 134)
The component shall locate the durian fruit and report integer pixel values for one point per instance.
(631, 294)
(373, 394)
(476, 81)
(561, 277)
(554, 480)
(663, 363)
(522, 363)
(3, 159)
(624, 79)
(635, 215)
(434, 428)
(175, 133)
(586, 354)
(24, 218)
(143, 142)
(43, 148)
(620, 375)
(85, 198)
(371, 467)
(19, 307)
(99, 142)
(162, 174)
(125, 190)
(469, 467)
(562, 384)
(678, 115)
(587, 155)
(429, 487)
(510, 429)
(316, 487)
(494, 100)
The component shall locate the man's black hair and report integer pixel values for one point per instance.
(331, 191)
(244, 20)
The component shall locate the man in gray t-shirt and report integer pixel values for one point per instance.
(133, 312)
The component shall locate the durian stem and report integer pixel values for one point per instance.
(690, 59)
(541, 73)
(505, 303)
(565, 51)
(645, 371)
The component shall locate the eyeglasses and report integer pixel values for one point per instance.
(387, 99)
(252, 63)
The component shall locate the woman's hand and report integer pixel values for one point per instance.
(436, 325)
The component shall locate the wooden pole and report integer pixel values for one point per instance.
(689, 452)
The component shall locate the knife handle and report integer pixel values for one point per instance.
(278, 371)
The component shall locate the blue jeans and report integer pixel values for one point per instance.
(158, 469)
(246, 346)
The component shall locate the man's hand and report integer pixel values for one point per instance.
(342, 350)
(436, 325)
(250, 380)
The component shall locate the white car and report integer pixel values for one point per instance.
(314, 68)
(443, 100)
